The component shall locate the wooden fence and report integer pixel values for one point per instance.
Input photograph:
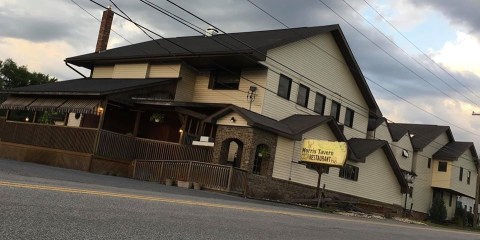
(210, 176)
(123, 147)
(50, 136)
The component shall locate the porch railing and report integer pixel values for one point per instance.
(50, 136)
(125, 147)
(210, 176)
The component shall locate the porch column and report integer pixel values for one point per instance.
(100, 124)
(137, 123)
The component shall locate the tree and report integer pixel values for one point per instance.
(12, 76)
(438, 212)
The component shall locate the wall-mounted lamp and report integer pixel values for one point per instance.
(232, 120)
(180, 130)
(100, 110)
(27, 119)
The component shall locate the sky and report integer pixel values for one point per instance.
(419, 56)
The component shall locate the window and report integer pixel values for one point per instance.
(224, 79)
(335, 110)
(405, 153)
(349, 172)
(429, 163)
(469, 175)
(460, 178)
(349, 117)
(302, 97)
(284, 86)
(442, 166)
(319, 104)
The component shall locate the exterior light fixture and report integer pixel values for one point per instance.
(27, 119)
(100, 110)
(180, 130)
(232, 119)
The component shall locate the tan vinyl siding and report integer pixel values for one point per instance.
(226, 120)
(237, 97)
(137, 70)
(102, 72)
(376, 178)
(397, 148)
(466, 162)
(422, 189)
(288, 150)
(383, 133)
(186, 84)
(441, 179)
(316, 65)
(164, 70)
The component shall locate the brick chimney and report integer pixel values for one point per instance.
(104, 32)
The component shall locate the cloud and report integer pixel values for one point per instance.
(461, 54)
(463, 13)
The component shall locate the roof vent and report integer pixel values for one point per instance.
(211, 31)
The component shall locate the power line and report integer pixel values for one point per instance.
(383, 50)
(424, 54)
(405, 52)
(247, 79)
(307, 108)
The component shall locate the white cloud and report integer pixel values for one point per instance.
(460, 55)
(402, 13)
(44, 57)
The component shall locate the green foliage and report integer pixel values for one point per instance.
(460, 217)
(12, 76)
(438, 212)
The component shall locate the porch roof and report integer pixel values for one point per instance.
(292, 127)
(454, 150)
(88, 86)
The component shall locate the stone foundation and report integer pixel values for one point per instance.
(264, 187)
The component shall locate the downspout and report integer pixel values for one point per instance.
(68, 65)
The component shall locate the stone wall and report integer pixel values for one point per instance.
(265, 187)
(250, 139)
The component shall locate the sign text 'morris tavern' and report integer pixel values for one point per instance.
(324, 152)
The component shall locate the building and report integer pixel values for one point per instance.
(254, 96)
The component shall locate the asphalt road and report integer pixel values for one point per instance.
(41, 202)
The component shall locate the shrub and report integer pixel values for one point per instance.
(438, 212)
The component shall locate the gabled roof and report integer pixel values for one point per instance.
(362, 148)
(292, 127)
(220, 44)
(421, 134)
(88, 86)
(254, 49)
(374, 123)
(454, 150)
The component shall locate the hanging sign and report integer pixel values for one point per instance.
(324, 152)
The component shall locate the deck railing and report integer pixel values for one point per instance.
(210, 176)
(116, 146)
(157, 150)
(50, 136)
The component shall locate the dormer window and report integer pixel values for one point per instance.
(224, 79)
(404, 153)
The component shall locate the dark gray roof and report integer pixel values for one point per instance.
(453, 150)
(257, 43)
(422, 134)
(292, 127)
(397, 131)
(88, 86)
(374, 123)
(221, 44)
(363, 147)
